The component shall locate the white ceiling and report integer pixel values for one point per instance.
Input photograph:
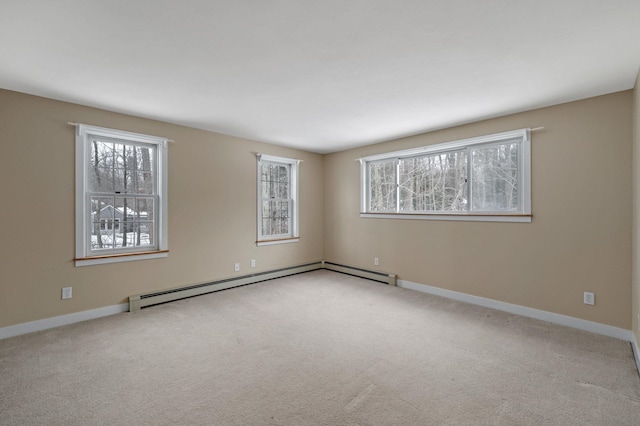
(322, 75)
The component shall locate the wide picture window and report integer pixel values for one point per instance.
(485, 178)
(121, 206)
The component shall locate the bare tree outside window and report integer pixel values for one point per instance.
(276, 199)
(483, 178)
(382, 184)
(494, 175)
(433, 182)
(122, 191)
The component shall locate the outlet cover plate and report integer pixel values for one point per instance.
(589, 298)
(66, 293)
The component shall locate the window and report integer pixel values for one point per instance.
(121, 196)
(484, 178)
(277, 200)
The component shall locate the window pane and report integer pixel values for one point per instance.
(101, 154)
(119, 155)
(434, 182)
(143, 234)
(121, 168)
(119, 180)
(283, 190)
(275, 217)
(382, 186)
(129, 157)
(494, 172)
(283, 174)
(286, 224)
(104, 239)
(266, 226)
(101, 179)
(146, 158)
(274, 181)
(284, 209)
(143, 183)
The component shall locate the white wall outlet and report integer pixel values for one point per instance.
(236, 267)
(66, 293)
(376, 261)
(638, 321)
(589, 298)
(253, 263)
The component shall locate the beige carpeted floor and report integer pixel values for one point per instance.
(320, 348)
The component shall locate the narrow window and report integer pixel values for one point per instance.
(277, 200)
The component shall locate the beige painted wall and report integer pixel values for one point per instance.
(579, 239)
(635, 317)
(212, 211)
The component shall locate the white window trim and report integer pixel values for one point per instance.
(83, 214)
(293, 187)
(525, 179)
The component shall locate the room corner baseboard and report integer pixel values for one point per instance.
(577, 323)
(636, 352)
(140, 301)
(383, 277)
(47, 323)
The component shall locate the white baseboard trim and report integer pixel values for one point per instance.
(47, 323)
(580, 324)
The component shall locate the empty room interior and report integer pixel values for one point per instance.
(340, 213)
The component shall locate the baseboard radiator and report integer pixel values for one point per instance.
(382, 277)
(140, 301)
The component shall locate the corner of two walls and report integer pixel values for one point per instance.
(635, 318)
(212, 211)
(579, 239)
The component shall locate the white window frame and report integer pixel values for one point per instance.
(84, 256)
(524, 179)
(294, 235)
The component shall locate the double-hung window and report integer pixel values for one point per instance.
(121, 196)
(483, 178)
(277, 200)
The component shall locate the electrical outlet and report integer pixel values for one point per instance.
(66, 293)
(236, 267)
(376, 261)
(589, 298)
(638, 321)
(253, 263)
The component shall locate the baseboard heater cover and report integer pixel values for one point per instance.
(149, 299)
(382, 277)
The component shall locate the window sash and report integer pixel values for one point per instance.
(449, 190)
(385, 198)
(136, 230)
